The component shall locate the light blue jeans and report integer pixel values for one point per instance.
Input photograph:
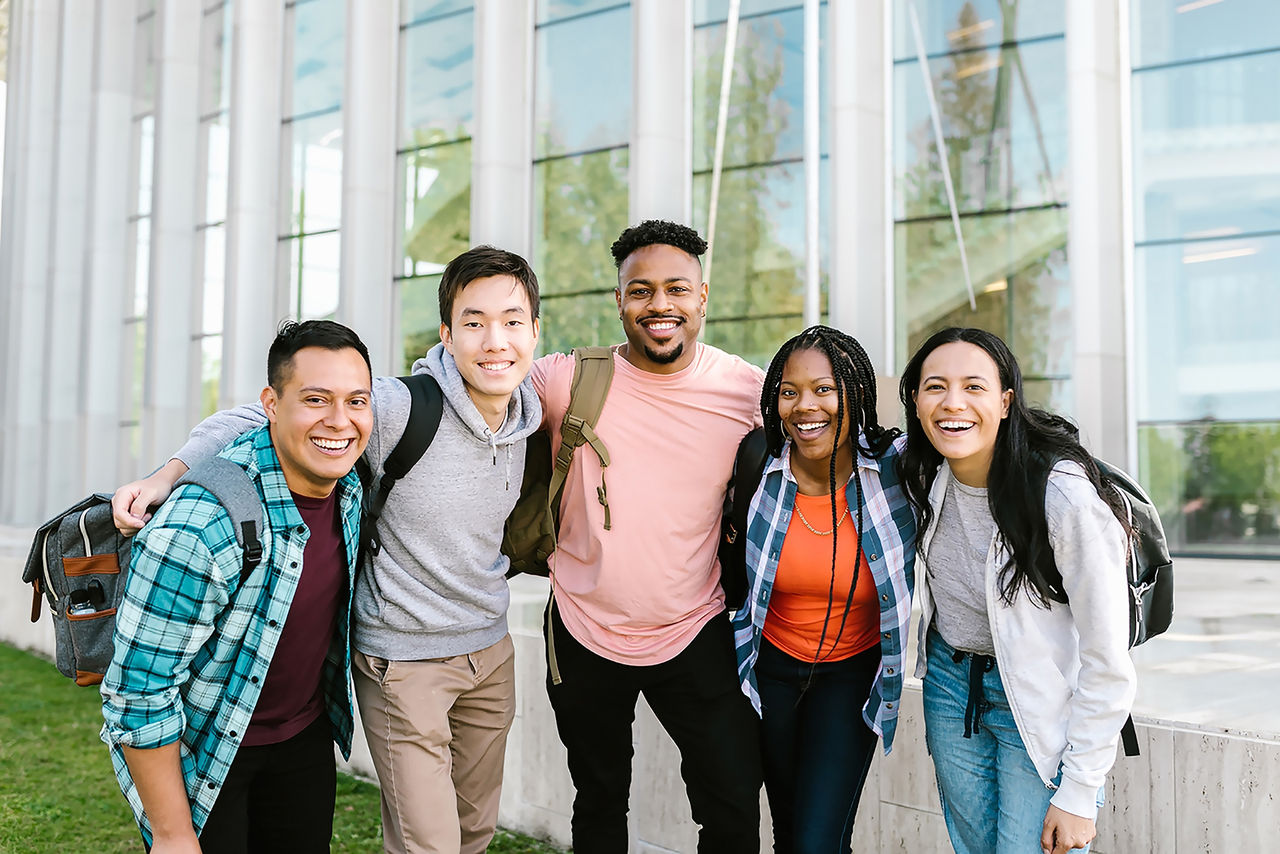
(992, 798)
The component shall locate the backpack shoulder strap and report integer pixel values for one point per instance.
(592, 376)
(748, 468)
(426, 407)
(235, 491)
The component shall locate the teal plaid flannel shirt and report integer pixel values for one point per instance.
(192, 646)
(888, 542)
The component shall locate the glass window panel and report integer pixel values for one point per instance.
(438, 81)
(313, 274)
(717, 11)
(414, 11)
(579, 321)
(953, 25)
(437, 206)
(766, 98)
(210, 373)
(215, 77)
(1019, 271)
(215, 255)
(144, 130)
(758, 263)
(1170, 30)
(754, 339)
(1053, 395)
(317, 53)
(141, 267)
(217, 141)
(144, 66)
(583, 84)
(580, 208)
(1216, 485)
(554, 10)
(135, 342)
(419, 318)
(1004, 116)
(1207, 148)
(314, 149)
(1206, 342)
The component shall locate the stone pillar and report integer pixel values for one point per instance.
(661, 156)
(1097, 233)
(861, 225)
(106, 268)
(250, 316)
(175, 277)
(369, 133)
(64, 354)
(502, 145)
(28, 216)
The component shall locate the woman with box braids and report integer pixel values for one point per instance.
(819, 638)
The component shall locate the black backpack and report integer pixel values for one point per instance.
(529, 535)
(748, 468)
(79, 562)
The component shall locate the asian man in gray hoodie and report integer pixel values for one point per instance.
(433, 663)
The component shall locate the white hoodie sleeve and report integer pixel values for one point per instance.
(1089, 549)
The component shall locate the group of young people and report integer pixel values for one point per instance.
(227, 692)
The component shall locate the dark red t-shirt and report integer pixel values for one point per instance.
(291, 695)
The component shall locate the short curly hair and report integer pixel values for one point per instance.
(657, 231)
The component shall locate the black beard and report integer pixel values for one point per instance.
(664, 358)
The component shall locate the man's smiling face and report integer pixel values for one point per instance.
(492, 337)
(661, 300)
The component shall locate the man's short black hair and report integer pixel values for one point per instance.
(293, 336)
(481, 263)
(657, 231)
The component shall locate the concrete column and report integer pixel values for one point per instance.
(661, 156)
(502, 145)
(107, 248)
(1097, 232)
(861, 223)
(250, 319)
(369, 111)
(174, 213)
(33, 76)
(64, 354)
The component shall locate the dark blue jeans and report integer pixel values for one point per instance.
(816, 746)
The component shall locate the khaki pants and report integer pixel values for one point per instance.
(437, 732)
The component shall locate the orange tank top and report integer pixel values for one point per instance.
(798, 605)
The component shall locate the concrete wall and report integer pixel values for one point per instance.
(1194, 788)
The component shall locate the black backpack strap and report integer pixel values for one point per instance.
(238, 495)
(1129, 737)
(426, 407)
(748, 469)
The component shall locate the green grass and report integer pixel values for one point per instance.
(58, 792)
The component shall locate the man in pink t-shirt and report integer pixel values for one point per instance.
(638, 608)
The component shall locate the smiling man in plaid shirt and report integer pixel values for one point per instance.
(224, 697)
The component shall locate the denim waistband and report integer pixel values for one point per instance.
(979, 666)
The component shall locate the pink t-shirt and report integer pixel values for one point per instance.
(639, 592)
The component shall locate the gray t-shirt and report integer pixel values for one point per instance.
(956, 562)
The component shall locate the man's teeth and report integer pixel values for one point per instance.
(495, 366)
(662, 325)
(332, 444)
(955, 425)
(809, 428)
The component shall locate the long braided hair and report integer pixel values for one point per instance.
(856, 399)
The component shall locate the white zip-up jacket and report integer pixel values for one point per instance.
(1066, 669)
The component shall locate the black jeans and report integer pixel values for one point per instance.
(277, 797)
(816, 746)
(697, 699)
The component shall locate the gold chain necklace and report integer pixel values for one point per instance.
(815, 530)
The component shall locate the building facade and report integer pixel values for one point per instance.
(1098, 182)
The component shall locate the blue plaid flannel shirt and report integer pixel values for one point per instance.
(192, 648)
(889, 545)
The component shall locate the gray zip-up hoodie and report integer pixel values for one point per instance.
(438, 586)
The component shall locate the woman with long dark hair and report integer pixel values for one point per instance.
(829, 553)
(1024, 622)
